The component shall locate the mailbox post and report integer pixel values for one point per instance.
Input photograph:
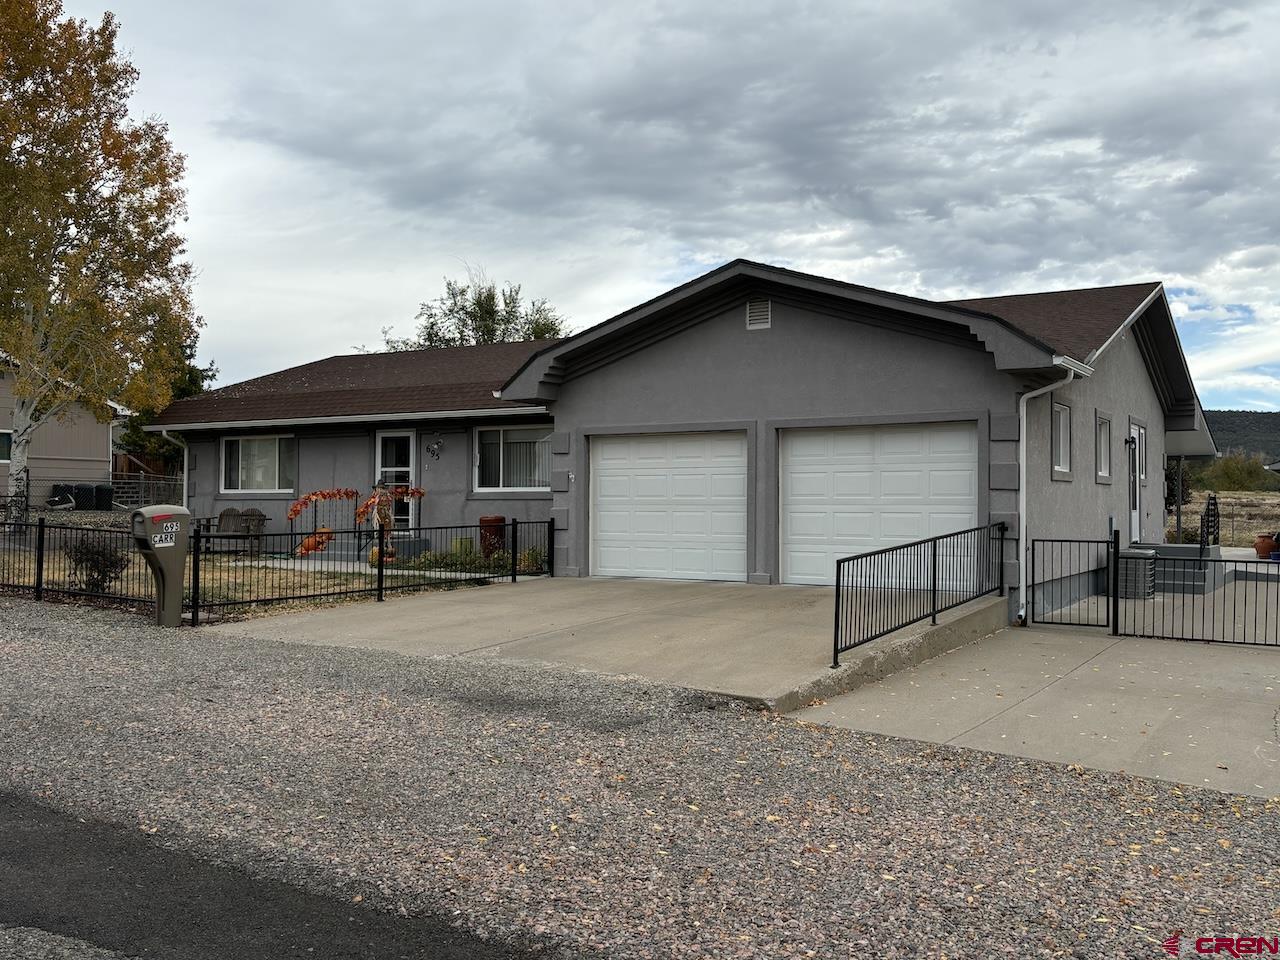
(161, 533)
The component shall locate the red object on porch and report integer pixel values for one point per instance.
(493, 535)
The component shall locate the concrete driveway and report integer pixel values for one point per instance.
(1194, 713)
(757, 642)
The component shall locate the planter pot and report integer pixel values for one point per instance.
(1265, 544)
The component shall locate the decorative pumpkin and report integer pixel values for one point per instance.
(315, 543)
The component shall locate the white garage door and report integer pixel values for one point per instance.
(669, 505)
(854, 489)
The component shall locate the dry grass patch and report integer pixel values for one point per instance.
(1244, 514)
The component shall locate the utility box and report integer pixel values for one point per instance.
(161, 533)
(1137, 574)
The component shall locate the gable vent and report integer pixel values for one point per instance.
(759, 314)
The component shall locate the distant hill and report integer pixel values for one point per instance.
(1246, 430)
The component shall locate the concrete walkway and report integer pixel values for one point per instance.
(1194, 713)
(752, 641)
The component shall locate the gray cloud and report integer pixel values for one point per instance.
(597, 154)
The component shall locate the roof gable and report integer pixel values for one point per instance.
(1075, 323)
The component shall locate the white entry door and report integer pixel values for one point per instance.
(1135, 483)
(669, 505)
(850, 490)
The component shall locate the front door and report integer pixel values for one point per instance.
(1135, 487)
(395, 469)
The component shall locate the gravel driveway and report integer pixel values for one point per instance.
(589, 812)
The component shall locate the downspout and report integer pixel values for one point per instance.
(1023, 546)
(178, 441)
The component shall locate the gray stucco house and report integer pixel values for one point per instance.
(753, 424)
(348, 421)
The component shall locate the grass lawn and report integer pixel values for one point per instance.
(1244, 514)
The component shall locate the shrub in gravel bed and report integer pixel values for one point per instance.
(612, 815)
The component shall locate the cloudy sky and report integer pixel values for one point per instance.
(344, 157)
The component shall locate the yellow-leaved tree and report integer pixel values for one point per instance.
(95, 288)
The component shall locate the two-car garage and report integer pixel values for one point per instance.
(676, 505)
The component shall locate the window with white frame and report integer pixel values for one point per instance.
(1102, 446)
(1061, 438)
(6, 445)
(259, 464)
(1142, 452)
(513, 458)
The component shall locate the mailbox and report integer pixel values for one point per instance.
(161, 533)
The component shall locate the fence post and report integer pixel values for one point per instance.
(382, 559)
(933, 579)
(835, 637)
(40, 558)
(515, 546)
(1115, 582)
(195, 577)
(551, 547)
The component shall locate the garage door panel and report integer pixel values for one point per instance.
(902, 526)
(904, 484)
(853, 526)
(650, 523)
(808, 485)
(953, 439)
(728, 523)
(689, 523)
(900, 441)
(904, 481)
(690, 487)
(853, 485)
(809, 524)
(685, 506)
(850, 446)
(614, 487)
(729, 486)
(810, 564)
(952, 484)
(729, 564)
(727, 449)
(613, 521)
(940, 523)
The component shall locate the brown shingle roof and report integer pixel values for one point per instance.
(1072, 322)
(367, 384)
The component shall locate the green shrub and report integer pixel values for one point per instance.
(1236, 471)
(97, 562)
(533, 560)
(466, 560)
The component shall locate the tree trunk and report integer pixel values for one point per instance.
(24, 425)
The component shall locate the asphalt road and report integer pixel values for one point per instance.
(113, 888)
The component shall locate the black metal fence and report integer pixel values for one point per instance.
(1207, 599)
(1070, 582)
(52, 560)
(226, 571)
(242, 569)
(1172, 592)
(885, 590)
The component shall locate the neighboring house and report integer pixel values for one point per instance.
(73, 449)
(753, 424)
(350, 420)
